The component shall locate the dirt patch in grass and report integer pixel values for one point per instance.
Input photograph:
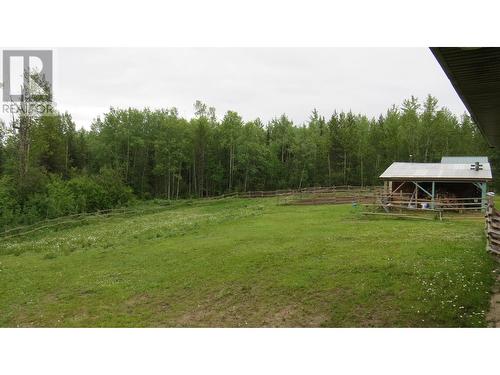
(253, 307)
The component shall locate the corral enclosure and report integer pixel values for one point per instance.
(237, 262)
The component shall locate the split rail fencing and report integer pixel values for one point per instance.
(332, 194)
(492, 227)
(316, 195)
(345, 190)
(409, 201)
(366, 195)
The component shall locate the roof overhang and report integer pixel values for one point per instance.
(401, 171)
(416, 179)
(475, 75)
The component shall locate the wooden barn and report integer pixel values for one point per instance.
(456, 183)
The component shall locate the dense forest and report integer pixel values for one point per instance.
(48, 168)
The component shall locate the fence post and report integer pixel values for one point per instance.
(433, 194)
(490, 212)
(484, 195)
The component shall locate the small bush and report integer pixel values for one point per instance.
(87, 192)
(115, 192)
(58, 197)
(57, 200)
(101, 192)
(9, 206)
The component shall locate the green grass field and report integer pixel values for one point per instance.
(248, 263)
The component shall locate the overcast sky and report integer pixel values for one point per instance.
(264, 82)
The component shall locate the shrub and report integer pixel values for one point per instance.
(60, 199)
(35, 208)
(87, 192)
(115, 192)
(100, 192)
(9, 205)
(57, 200)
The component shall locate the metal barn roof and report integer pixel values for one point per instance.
(475, 75)
(464, 159)
(436, 172)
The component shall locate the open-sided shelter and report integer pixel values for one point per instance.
(455, 183)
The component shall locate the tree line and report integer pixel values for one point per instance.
(51, 168)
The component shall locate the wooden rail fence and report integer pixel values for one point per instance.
(407, 201)
(77, 219)
(349, 189)
(316, 195)
(340, 194)
(492, 227)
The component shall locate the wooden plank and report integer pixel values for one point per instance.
(396, 215)
(494, 232)
(493, 249)
(494, 224)
(494, 241)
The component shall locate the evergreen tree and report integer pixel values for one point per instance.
(158, 154)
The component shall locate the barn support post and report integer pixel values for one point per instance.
(433, 194)
(483, 186)
(416, 198)
(484, 192)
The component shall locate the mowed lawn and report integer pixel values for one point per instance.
(248, 263)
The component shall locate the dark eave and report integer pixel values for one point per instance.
(475, 75)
